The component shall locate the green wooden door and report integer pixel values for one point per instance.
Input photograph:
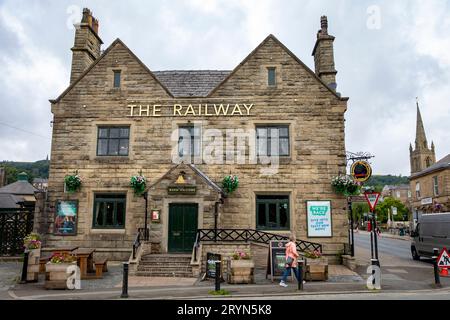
(182, 227)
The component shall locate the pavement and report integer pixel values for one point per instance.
(402, 278)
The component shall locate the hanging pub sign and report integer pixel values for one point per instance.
(361, 171)
(66, 218)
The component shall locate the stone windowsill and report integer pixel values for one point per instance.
(108, 231)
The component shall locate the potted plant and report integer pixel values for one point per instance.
(32, 244)
(241, 268)
(72, 182)
(138, 183)
(56, 270)
(316, 266)
(345, 185)
(230, 183)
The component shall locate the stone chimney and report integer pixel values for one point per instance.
(87, 45)
(324, 55)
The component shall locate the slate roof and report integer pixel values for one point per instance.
(191, 83)
(444, 163)
(19, 188)
(9, 201)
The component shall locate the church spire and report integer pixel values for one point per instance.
(421, 138)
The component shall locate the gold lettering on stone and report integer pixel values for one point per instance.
(221, 109)
(236, 110)
(190, 110)
(156, 110)
(177, 109)
(131, 106)
(145, 109)
(248, 108)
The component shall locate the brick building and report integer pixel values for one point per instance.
(430, 180)
(118, 118)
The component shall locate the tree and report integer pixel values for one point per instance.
(387, 204)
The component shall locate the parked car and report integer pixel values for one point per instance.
(432, 231)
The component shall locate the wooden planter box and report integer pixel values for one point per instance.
(240, 271)
(56, 275)
(317, 269)
(33, 265)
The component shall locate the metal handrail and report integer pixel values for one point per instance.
(250, 235)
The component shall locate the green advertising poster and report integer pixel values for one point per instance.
(319, 219)
(66, 218)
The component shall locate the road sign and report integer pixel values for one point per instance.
(372, 199)
(394, 211)
(444, 259)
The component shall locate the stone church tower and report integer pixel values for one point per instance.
(422, 157)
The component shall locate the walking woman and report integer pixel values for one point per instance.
(291, 261)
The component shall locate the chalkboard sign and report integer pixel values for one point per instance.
(277, 258)
(211, 259)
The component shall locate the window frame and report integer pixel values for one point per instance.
(96, 202)
(269, 139)
(271, 76)
(418, 190)
(115, 79)
(436, 186)
(109, 138)
(282, 199)
(191, 128)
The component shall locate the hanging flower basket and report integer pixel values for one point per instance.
(230, 183)
(138, 183)
(345, 185)
(72, 182)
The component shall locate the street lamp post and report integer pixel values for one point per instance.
(146, 216)
(352, 236)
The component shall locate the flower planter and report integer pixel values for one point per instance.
(56, 275)
(317, 269)
(240, 271)
(33, 264)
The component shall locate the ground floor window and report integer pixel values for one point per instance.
(272, 212)
(109, 211)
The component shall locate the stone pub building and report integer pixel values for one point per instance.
(271, 121)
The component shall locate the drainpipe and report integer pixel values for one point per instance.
(146, 216)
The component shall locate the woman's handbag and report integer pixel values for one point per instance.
(289, 261)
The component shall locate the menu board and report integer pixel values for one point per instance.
(66, 218)
(319, 219)
(211, 259)
(277, 258)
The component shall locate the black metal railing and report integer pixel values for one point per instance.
(15, 224)
(142, 235)
(248, 235)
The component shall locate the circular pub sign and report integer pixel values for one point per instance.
(361, 171)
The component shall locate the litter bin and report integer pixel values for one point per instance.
(402, 232)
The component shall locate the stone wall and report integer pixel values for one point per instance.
(314, 114)
(427, 189)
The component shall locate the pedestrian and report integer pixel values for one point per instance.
(291, 261)
(357, 227)
(378, 231)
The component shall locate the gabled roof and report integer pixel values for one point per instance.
(19, 188)
(191, 83)
(105, 53)
(194, 83)
(442, 164)
(198, 172)
(9, 201)
(289, 52)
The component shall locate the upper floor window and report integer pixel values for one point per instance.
(109, 211)
(271, 76)
(189, 141)
(418, 190)
(113, 141)
(117, 75)
(272, 140)
(397, 194)
(436, 186)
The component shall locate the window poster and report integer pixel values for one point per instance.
(319, 219)
(66, 218)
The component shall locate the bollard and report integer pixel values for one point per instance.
(437, 278)
(217, 275)
(300, 275)
(25, 267)
(125, 281)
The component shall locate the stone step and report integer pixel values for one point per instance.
(166, 263)
(186, 269)
(165, 275)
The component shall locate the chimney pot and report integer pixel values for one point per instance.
(324, 24)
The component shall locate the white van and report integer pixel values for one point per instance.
(432, 231)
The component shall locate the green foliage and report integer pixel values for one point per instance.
(138, 183)
(38, 169)
(358, 209)
(73, 182)
(230, 183)
(383, 207)
(379, 181)
(219, 293)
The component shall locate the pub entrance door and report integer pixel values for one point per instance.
(183, 223)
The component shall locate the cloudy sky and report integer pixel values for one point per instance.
(387, 54)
